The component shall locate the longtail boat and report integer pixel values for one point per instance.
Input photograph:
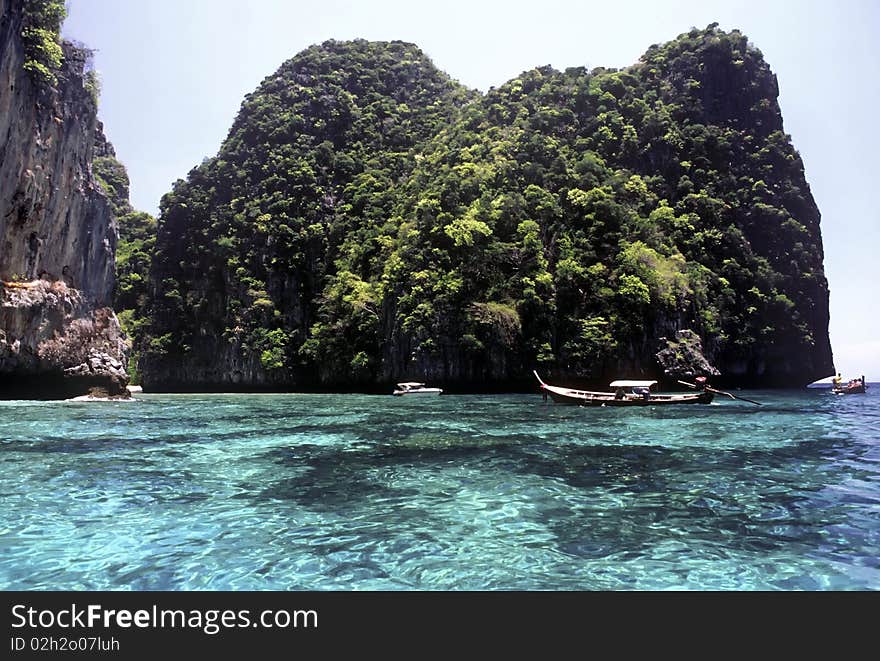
(624, 393)
(854, 387)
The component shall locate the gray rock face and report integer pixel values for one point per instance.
(57, 230)
(682, 356)
(54, 219)
(55, 343)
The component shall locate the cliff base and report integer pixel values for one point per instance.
(55, 344)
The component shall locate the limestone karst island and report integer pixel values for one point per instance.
(369, 220)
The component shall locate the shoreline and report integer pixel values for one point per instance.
(132, 391)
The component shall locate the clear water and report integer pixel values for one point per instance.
(357, 492)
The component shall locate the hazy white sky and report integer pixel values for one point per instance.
(175, 71)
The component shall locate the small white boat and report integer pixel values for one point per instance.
(413, 388)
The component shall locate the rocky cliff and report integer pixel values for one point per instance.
(368, 220)
(245, 244)
(57, 230)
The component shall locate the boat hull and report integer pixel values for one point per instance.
(653, 400)
(585, 398)
(423, 392)
(853, 390)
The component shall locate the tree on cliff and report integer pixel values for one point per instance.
(40, 33)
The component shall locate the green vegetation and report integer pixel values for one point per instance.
(137, 239)
(368, 216)
(134, 253)
(41, 27)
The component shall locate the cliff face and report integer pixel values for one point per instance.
(54, 343)
(56, 226)
(745, 180)
(368, 221)
(245, 244)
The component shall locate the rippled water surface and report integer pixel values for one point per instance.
(358, 492)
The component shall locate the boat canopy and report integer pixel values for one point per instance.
(633, 384)
(410, 384)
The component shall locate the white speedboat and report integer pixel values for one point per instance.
(413, 388)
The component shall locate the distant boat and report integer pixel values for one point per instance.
(413, 388)
(625, 393)
(853, 387)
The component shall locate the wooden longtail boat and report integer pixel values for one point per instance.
(854, 387)
(625, 393)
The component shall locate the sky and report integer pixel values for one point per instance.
(174, 73)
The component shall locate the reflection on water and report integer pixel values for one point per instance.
(352, 492)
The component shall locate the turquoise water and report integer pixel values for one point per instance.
(359, 492)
